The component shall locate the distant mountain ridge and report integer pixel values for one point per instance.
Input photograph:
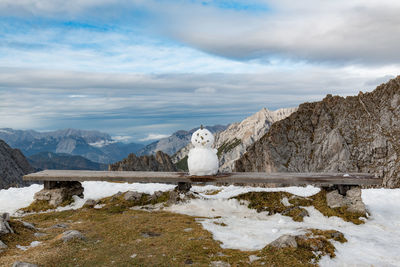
(54, 161)
(337, 134)
(233, 142)
(13, 165)
(93, 145)
(175, 142)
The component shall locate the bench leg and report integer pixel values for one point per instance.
(345, 196)
(183, 187)
(57, 192)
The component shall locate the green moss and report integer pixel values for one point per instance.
(319, 202)
(272, 203)
(182, 165)
(117, 203)
(43, 205)
(228, 146)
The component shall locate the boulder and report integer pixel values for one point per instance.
(4, 225)
(352, 200)
(285, 241)
(91, 203)
(58, 192)
(72, 234)
(132, 196)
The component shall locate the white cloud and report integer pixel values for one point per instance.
(152, 136)
(205, 90)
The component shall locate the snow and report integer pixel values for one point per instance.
(32, 245)
(13, 199)
(375, 243)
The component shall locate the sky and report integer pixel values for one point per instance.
(142, 69)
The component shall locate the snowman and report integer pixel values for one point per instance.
(202, 159)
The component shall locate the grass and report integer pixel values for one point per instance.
(113, 238)
(43, 205)
(272, 202)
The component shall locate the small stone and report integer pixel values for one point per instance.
(132, 196)
(39, 234)
(133, 256)
(2, 245)
(219, 264)
(220, 254)
(29, 225)
(23, 264)
(188, 230)
(150, 234)
(284, 241)
(253, 258)
(116, 196)
(189, 261)
(91, 203)
(59, 225)
(72, 234)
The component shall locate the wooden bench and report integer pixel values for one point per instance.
(62, 184)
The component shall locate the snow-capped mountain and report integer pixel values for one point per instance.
(93, 145)
(233, 142)
(175, 142)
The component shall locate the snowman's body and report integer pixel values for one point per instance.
(202, 159)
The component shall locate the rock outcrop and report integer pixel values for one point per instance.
(233, 142)
(13, 165)
(353, 134)
(158, 162)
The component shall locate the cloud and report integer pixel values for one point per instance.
(126, 104)
(338, 32)
(152, 137)
(205, 90)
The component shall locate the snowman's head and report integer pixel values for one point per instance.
(202, 138)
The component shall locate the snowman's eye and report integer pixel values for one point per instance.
(208, 141)
(195, 140)
(205, 133)
(197, 134)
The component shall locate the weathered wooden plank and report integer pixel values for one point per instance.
(236, 177)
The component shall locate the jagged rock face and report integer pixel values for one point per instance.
(353, 134)
(13, 165)
(158, 162)
(233, 142)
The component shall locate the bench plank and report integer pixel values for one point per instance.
(235, 177)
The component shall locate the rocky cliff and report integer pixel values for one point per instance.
(13, 165)
(353, 134)
(158, 162)
(232, 142)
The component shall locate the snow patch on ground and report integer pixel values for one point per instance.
(375, 243)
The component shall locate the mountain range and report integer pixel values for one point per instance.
(233, 141)
(93, 145)
(175, 142)
(60, 161)
(338, 134)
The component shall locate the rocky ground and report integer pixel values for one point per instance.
(136, 228)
